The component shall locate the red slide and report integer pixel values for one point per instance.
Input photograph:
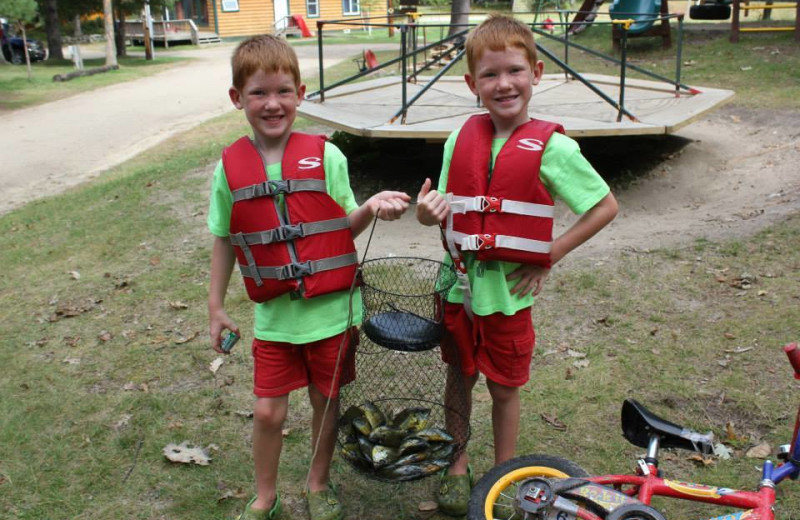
(302, 25)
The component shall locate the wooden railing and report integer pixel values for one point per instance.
(163, 30)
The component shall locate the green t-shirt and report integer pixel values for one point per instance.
(283, 319)
(568, 176)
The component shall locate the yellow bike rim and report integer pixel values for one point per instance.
(516, 476)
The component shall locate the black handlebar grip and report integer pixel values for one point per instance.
(793, 351)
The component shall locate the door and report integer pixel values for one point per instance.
(281, 8)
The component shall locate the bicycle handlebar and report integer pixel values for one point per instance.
(793, 351)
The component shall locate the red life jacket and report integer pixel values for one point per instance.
(306, 248)
(506, 214)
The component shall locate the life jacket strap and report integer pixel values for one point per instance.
(298, 269)
(483, 204)
(272, 188)
(491, 241)
(289, 232)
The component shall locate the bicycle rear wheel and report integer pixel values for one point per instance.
(493, 496)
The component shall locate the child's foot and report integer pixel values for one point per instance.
(261, 514)
(324, 505)
(454, 491)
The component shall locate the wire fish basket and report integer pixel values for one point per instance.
(402, 301)
(395, 423)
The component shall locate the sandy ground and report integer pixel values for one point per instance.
(729, 174)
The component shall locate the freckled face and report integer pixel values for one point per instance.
(504, 82)
(270, 102)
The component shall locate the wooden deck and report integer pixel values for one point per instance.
(368, 108)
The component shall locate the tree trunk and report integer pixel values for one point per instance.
(25, 46)
(122, 49)
(459, 16)
(108, 19)
(77, 25)
(53, 29)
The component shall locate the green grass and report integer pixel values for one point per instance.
(16, 91)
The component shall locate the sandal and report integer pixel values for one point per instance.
(261, 514)
(454, 491)
(324, 505)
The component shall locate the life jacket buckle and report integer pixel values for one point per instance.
(277, 187)
(290, 232)
(478, 242)
(296, 270)
(490, 204)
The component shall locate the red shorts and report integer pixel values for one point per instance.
(281, 367)
(499, 346)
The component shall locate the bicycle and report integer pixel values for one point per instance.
(544, 487)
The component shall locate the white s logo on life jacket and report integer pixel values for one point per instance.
(309, 162)
(531, 145)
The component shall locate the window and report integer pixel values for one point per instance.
(312, 8)
(350, 7)
(229, 6)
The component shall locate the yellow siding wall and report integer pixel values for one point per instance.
(257, 17)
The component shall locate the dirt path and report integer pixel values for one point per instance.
(54, 146)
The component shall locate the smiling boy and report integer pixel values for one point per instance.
(281, 204)
(500, 174)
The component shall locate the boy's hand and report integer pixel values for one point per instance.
(388, 205)
(432, 208)
(218, 322)
(531, 278)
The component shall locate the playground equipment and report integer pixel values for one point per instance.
(650, 18)
(765, 7)
(412, 96)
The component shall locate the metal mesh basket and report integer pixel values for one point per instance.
(402, 301)
(394, 425)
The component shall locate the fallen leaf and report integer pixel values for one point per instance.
(762, 451)
(72, 361)
(581, 363)
(214, 365)
(576, 354)
(722, 451)
(72, 341)
(730, 433)
(237, 493)
(244, 413)
(699, 459)
(428, 505)
(569, 375)
(186, 453)
(105, 336)
(728, 335)
(185, 339)
(122, 422)
(554, 421)
(286, 431)
(75, 275)
(178, 305)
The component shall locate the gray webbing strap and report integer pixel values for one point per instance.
(297, 270)
(288, 232)
(271, 188)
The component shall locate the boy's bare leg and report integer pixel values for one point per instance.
(458, 397)
(319, 474)
(505, 420)
(269, 413)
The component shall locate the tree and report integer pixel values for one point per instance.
(52, 27)
(111, 52)
(459, 16)
(20, 12)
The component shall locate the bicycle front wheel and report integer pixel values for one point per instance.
(493, 495)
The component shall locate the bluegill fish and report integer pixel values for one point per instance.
(381, 455)
(373, 414)
(413, 444)
(362, 426)
(434, 435)
(412, 419)
(388, 436)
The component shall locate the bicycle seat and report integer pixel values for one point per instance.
(639, 424)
